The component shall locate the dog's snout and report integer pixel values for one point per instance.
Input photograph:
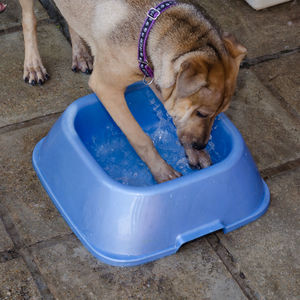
(198, 146)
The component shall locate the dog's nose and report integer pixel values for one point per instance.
(198, 146)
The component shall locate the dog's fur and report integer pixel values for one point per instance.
(195, 67)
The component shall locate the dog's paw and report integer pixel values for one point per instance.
(34, 71)
(204, 159)
(198, 159)
(82, 59)
(165, 173)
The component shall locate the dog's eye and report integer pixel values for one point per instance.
(200, 115)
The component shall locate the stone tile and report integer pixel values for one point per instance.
(282, 76)
(262, 32)
(267, 250)
(13, 14)
(270, 132)
(5, 241)
(23, 197)
(195, 272)
(20, 101)
(16, 282)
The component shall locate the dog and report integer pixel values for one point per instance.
(194, 66)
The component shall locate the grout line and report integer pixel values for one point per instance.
(29, 123)
(14, 252)
(11, 29)
(10, 228)
(232, 266)
(35, 273)
(288, 107)
(19, 27)
(8, 255)
(52, 241)
(25, 254)
(249, 62)
(274, 171)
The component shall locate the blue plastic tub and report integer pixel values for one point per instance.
(110, 199)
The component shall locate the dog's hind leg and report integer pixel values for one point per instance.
(34, 71)
(81, 57)
(110, 90)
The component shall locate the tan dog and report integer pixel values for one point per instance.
(195, 68)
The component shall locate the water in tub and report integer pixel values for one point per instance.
(121, 162)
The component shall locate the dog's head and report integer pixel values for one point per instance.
(204, 86)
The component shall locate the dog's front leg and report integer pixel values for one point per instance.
(112, 97)
(34, 71)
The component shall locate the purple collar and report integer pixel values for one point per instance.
(152, 15)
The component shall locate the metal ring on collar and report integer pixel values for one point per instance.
(147, 82)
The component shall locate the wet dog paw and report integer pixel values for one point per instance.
(165, 174)
(198, 159)
(204, 159)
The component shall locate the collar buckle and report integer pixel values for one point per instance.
(153, 13)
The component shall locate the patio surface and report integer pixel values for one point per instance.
(40, 258)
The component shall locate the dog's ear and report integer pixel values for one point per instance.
(235, 49)
(191, 77)
(236, 53)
